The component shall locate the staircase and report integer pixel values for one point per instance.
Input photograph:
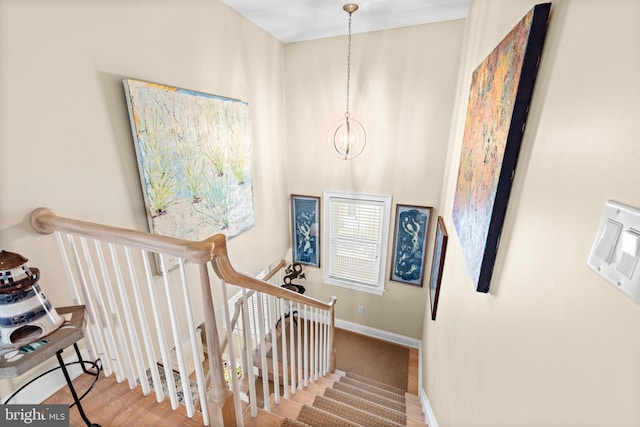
(139, 310)
(338, 399)
(342, 399)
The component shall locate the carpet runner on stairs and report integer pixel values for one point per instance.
(290, 422)
(349, 400)
(351, 413)
(318, 418)
(366, 405)
(373, 389)
(375, 383)
(372, 397)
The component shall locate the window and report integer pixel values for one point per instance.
(355, 233)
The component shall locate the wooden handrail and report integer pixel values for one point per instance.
(213, 249)
(44, 221)
(239, 302)
(266, 278)
(223, 268)
(275, 269)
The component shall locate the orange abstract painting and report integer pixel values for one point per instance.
(499, 99)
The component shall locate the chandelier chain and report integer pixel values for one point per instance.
(346, 115)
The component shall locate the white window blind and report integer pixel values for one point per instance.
(357, 232)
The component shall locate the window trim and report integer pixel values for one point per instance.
(327, 273)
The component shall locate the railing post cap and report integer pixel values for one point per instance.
(36, 224)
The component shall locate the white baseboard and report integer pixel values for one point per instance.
(429, 415)
(46, 386)
(378, 333)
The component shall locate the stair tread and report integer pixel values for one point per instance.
(320, 418)
(352, 413)
(373, 389)
(294, 406)
(398, 406)
(412, 403)
(331, 400)
(413, 411)
(356, 402)
(375, 383)
(291, 422)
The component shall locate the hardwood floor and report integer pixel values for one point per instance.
(113, 404)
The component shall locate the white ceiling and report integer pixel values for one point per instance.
(297, 20)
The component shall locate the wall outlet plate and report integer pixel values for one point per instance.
(616, 248)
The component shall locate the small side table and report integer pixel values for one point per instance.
(68, 334)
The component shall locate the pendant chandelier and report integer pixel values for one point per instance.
(347, 137)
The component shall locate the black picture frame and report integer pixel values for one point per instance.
(410, 243)
(437, 265)
(305, 229)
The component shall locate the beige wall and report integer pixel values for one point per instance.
(65, 140)
(402, 90)
(553, 344)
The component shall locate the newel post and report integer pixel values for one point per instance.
(220, 400)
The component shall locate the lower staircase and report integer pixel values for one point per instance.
(148, 298)
(342, 399)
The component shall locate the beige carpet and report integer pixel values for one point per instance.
(373, 409)
(350, 413)
(318, 417)
(378, 360)
(366, 405)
